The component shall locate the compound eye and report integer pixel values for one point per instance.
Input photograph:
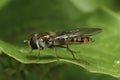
(33, 43)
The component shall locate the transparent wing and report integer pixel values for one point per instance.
(65, 36)
(81, 31)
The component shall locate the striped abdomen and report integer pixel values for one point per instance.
(74, 40)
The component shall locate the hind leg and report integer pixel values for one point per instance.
(68, 49)
(72, 52)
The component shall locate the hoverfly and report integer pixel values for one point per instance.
(62, 39)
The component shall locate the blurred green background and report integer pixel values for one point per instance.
(20, 18)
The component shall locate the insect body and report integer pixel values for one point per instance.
(70, 39)
(62, 39)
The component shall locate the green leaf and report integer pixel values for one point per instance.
(18, 22)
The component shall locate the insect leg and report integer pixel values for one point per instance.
(39, 52)
(72, 52)
(56, 53)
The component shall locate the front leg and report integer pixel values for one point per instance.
(39, 53)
